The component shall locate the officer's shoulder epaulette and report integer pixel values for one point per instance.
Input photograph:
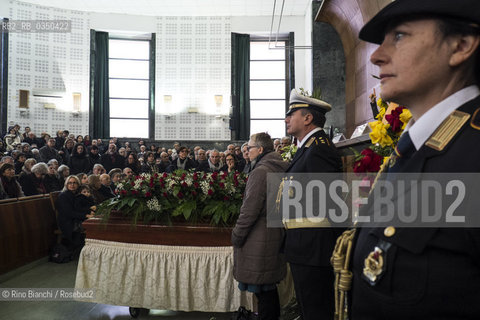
(475, 122)
(310, 142)
(316, 140)
(447, 130)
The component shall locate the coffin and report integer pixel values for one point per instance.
(121, 229)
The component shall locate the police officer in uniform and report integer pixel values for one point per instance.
(428, 60)
(308, 247)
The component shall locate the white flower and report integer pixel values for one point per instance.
(147, 176)
(138, 184)
(205, 186)
(153, 204)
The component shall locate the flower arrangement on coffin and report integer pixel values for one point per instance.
(390, 122)
(182, 195)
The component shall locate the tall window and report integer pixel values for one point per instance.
(129, 82)
(268, 88)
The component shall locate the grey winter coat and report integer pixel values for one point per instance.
(257, 257)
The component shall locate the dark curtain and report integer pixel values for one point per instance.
(3, 80)
(290, 52)
(151, 108)
(99, 91)
(240, 122)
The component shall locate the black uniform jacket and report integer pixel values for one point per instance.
(313, 246)
(430, 273)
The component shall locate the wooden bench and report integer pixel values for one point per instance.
(53, 199)
(27, 227)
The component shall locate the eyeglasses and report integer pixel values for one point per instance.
(250, 147)
(72, 182)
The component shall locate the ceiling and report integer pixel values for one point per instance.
(182, 7)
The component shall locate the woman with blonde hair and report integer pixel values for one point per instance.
(69, 219)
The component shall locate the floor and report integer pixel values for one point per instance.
(51, 275)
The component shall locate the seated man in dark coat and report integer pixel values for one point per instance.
(213, 163)
(111, 159)
(182, 161)
(164, 162)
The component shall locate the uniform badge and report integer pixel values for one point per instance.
(374, 266)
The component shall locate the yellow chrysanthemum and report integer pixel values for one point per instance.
(382, 104)
(381, 114)
(405, 116)
(379, 133)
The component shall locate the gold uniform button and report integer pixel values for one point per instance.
(389, 231)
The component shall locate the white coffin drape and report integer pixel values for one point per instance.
(164, 277)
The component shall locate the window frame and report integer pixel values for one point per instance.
(151, 83)
(287, 77)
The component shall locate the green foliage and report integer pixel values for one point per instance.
(189, 196)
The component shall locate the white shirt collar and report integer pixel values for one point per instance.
(424, 127)
(300, 143)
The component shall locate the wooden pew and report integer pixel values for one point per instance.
(27, 227)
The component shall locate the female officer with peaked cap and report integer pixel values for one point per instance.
(428, 60)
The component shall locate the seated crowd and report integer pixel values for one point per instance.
(31, 165)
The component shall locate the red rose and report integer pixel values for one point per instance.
(222, 185)
(210, 183)
(210, 192)
(165, 195)
(123, 192)
(151, 184)
(194, 193)
(180, 195)
(148, 194)
(394, 119)
(226, 198)
(165, 175)
(370, 162)
(184, 184)
(134, 192)
(196, 185)
(195, 176)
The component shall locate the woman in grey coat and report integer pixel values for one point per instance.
(258, 263)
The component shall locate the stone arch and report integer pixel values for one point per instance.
(347, 17)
